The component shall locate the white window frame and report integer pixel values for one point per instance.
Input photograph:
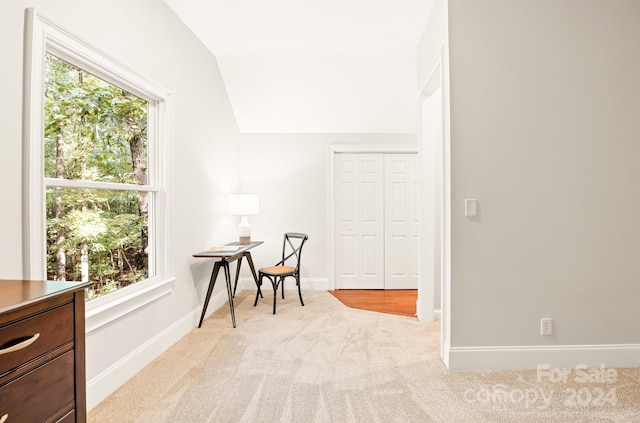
(42, 36)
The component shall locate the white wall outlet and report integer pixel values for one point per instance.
(546, 326)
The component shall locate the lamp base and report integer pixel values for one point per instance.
(244, 231)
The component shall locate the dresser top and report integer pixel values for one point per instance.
(18, 293)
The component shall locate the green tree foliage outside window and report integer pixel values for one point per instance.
(97, 132)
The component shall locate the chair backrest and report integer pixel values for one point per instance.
(292, 248)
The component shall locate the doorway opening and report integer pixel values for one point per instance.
(434, 233)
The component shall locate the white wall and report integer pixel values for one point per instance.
(432, 41)
(322, 93)
(433, 54)
(544, 133)
(433, 94)
(11, 25)
(290, 171)
(147, 37)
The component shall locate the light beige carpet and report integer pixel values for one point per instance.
(328, 363)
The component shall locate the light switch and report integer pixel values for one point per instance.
(470, 207)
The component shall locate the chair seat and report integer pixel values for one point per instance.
(278, 270)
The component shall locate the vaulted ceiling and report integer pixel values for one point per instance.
(314, 65)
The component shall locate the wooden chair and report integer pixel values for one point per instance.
(288, 266)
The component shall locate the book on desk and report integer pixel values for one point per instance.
(224, 248)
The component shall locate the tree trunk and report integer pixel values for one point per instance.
(84, 247)
(84, 262)
(61, 257)
(138, 149)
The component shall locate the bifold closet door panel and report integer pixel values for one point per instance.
(359, 221)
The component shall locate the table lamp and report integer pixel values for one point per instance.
(244, 205)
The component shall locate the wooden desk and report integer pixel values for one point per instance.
(224, 258)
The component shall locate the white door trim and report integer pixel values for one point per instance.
(435, 81)
(348, 148)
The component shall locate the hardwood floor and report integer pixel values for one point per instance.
(402, 302)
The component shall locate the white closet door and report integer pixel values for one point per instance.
(359, 214)
(402, 205)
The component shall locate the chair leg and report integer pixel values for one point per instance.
(299, 292)
(282, 284)
(274, 302)
(275, 282)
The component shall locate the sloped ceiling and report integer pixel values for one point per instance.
(314, 66)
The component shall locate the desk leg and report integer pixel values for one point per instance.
(235, 285)
(212, 282)
(253, 271)
(227, 276)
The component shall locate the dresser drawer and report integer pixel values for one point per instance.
(47, 330)
(38, 394)
(70, 417)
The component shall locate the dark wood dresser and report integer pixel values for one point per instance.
(42, 352)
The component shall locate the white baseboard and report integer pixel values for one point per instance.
(557, 356)
(101, 386)
(445, 354)
(311, 284)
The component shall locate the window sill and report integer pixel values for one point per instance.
(111, 307)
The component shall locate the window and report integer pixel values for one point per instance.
(95, 149)
(96, 191)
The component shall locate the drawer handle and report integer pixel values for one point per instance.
(20, 345)
(4, 418)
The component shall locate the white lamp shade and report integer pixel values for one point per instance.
(244, 204)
